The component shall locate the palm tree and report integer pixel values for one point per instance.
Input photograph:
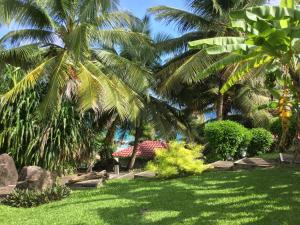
(205, 18)
(158, 112)
(67, 33)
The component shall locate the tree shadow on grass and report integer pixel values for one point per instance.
(243, 197)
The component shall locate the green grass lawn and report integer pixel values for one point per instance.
(268, 197)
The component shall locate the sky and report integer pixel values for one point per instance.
(139, 8)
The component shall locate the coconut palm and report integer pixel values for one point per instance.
(157, 112)
(205, 18)
(66, 32)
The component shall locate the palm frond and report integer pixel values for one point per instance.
(29, 81)
(117, 19)
(187, 72)
(130, 72)
(184, 20)
(29, 35)
(27, 13)
(90, 90)
(181, 43)
(58, 76)
(118, 37)
(21, 56)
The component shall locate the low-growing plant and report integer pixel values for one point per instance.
(29, 198)
(226, 140)
(261, 141)
(178, 159)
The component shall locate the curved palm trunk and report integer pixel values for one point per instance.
(137, 136)
(108, 141)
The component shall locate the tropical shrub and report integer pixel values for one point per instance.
(177, 160)
(261, 141)
(56, 143)
(28, 198)
(226, 139)
(64, 139)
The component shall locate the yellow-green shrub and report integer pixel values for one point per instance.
(178, 159)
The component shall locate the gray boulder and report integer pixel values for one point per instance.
(8, 171)
(35, 178)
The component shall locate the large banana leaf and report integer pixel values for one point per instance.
(219, 41)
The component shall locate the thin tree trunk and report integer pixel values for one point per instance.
(220, 102)
(137, 136)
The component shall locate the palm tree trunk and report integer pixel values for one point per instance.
(220, 102)
(108, 141)
(137, 136)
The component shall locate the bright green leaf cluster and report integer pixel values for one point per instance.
(178, 159)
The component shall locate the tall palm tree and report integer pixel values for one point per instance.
(205, 18)
(158, 112)
(66, 32)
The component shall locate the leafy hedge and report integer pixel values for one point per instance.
(261, 141)
(230, 140)
(227, 139)
(177, 160)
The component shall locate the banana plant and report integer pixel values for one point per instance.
(269, 36)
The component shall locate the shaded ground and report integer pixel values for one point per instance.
(265, 196)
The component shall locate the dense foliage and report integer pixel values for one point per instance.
(269, 43)
(227, 139)
(261, 141)
(177, 160)
(57, 143)
(28, 198)
(87, 69)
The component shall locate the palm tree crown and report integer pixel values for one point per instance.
(69, 34)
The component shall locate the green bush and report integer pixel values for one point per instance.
(226, 140)
(261, 142)
(29, 198)
(177, 160)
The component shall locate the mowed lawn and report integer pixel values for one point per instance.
(269, 197)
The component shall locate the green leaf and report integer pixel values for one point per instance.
(287, 3)
(27, 82)
(90, 90)
(245, 68)
(220, 65)
(219, 41)
(267, 13)
(227, 48)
